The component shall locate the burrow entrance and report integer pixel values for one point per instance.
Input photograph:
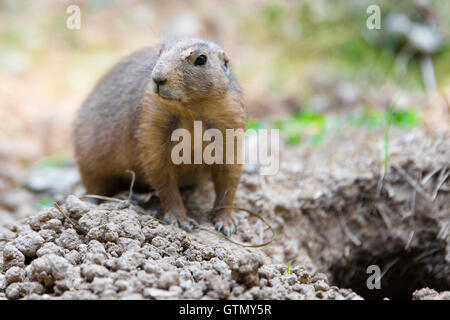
(402, 271)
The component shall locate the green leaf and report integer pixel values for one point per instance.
(253, 124)
(53, 162)
(43, 203)
(405, 118)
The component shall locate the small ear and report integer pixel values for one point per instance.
(225, 60)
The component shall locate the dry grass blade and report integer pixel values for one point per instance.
(94, 196)
(425, 255)
(137, 208)
(347, 231)
(142, 211)
(430, 175)
(381, 210)
(411, 181)
(133, 178)
(239, 243)
(388, 268)
(410, 238)
(65, 216)
(442, 177)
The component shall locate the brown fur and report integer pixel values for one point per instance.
(124, 125)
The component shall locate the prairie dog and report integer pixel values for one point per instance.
(127, 121)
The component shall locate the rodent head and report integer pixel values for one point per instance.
(191, 70)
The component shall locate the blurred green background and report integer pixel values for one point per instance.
(309, 68)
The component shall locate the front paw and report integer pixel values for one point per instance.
(224, 221)
(180, 220)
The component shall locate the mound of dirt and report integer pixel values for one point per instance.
(113, 252)
(333, 211)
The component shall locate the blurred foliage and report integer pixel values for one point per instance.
(43, 203)
(305, 124)
(295, 37)
(281, 50)
(253, 124)
(405, 118)
(55, 161)
(332, 35)
(311, 127)
(373, 118)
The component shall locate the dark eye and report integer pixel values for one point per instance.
(201, 60)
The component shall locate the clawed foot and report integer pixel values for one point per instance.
(181, 221)
(224, 222)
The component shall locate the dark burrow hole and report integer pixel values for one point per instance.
(49, 289)
(404, 271)
(28, 260)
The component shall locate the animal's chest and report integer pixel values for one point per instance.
(194, 135)
(188, 142)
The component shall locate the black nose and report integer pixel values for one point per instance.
(159, 80)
